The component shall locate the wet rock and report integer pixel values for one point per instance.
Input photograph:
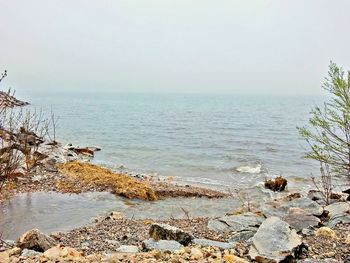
(211, 243)
(163, 245)
(277, 185)
(236, 223)
(29, 253)
(338, 213)
(35, 240)
(274, 240)
(326, 232)
(280, 208)
(167, 232)
(299, 219)
(127, 249)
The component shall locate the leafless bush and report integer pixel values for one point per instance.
(325, 184)
(53, 125)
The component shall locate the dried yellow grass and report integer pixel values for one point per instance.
(89, 176)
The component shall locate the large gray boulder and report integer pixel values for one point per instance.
(236, 223)
(35, 240)
(274, 241)
(167, 232)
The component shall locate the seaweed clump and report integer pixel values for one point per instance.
(81, 176)
(277, 185)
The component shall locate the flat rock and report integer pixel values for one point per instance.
(236, 223)
(163, 245)
(167, 232)
(337, 208)
(127, 249)
(211, 243)
(280, 208)
(35, 240)
(299, 219)
(274, 240)
(242, 236)
(338, 213)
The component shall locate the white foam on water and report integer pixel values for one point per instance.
(249, 169)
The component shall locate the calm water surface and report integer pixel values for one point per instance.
(225, 140)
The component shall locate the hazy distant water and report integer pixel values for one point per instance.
(217, 139)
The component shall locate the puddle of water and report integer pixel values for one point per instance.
(53, 211)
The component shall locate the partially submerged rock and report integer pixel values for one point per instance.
(299, 219)
(35, 240)
(274, 241)
(277, 185)
(163, 245)
(167, 232)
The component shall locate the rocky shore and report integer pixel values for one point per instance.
(267, 227)
(290, 228)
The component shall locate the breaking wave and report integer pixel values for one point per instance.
(249, 169)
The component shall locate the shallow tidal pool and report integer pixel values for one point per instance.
(51, 211)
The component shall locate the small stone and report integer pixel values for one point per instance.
(234, 259)
(347, 240)
(167, 232)
(35, 240)
(196, 253)
(29, 253)
(127, 249)
(326, 232)
(117, 215)
(53, 253)
(4, 257)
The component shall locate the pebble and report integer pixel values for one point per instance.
(196, 253)
(326, 232)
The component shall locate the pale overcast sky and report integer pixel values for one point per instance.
(227, 46)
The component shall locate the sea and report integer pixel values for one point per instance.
(218, 140)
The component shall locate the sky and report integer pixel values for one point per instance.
(175, 46)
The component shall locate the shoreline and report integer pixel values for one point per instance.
(111, 236)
